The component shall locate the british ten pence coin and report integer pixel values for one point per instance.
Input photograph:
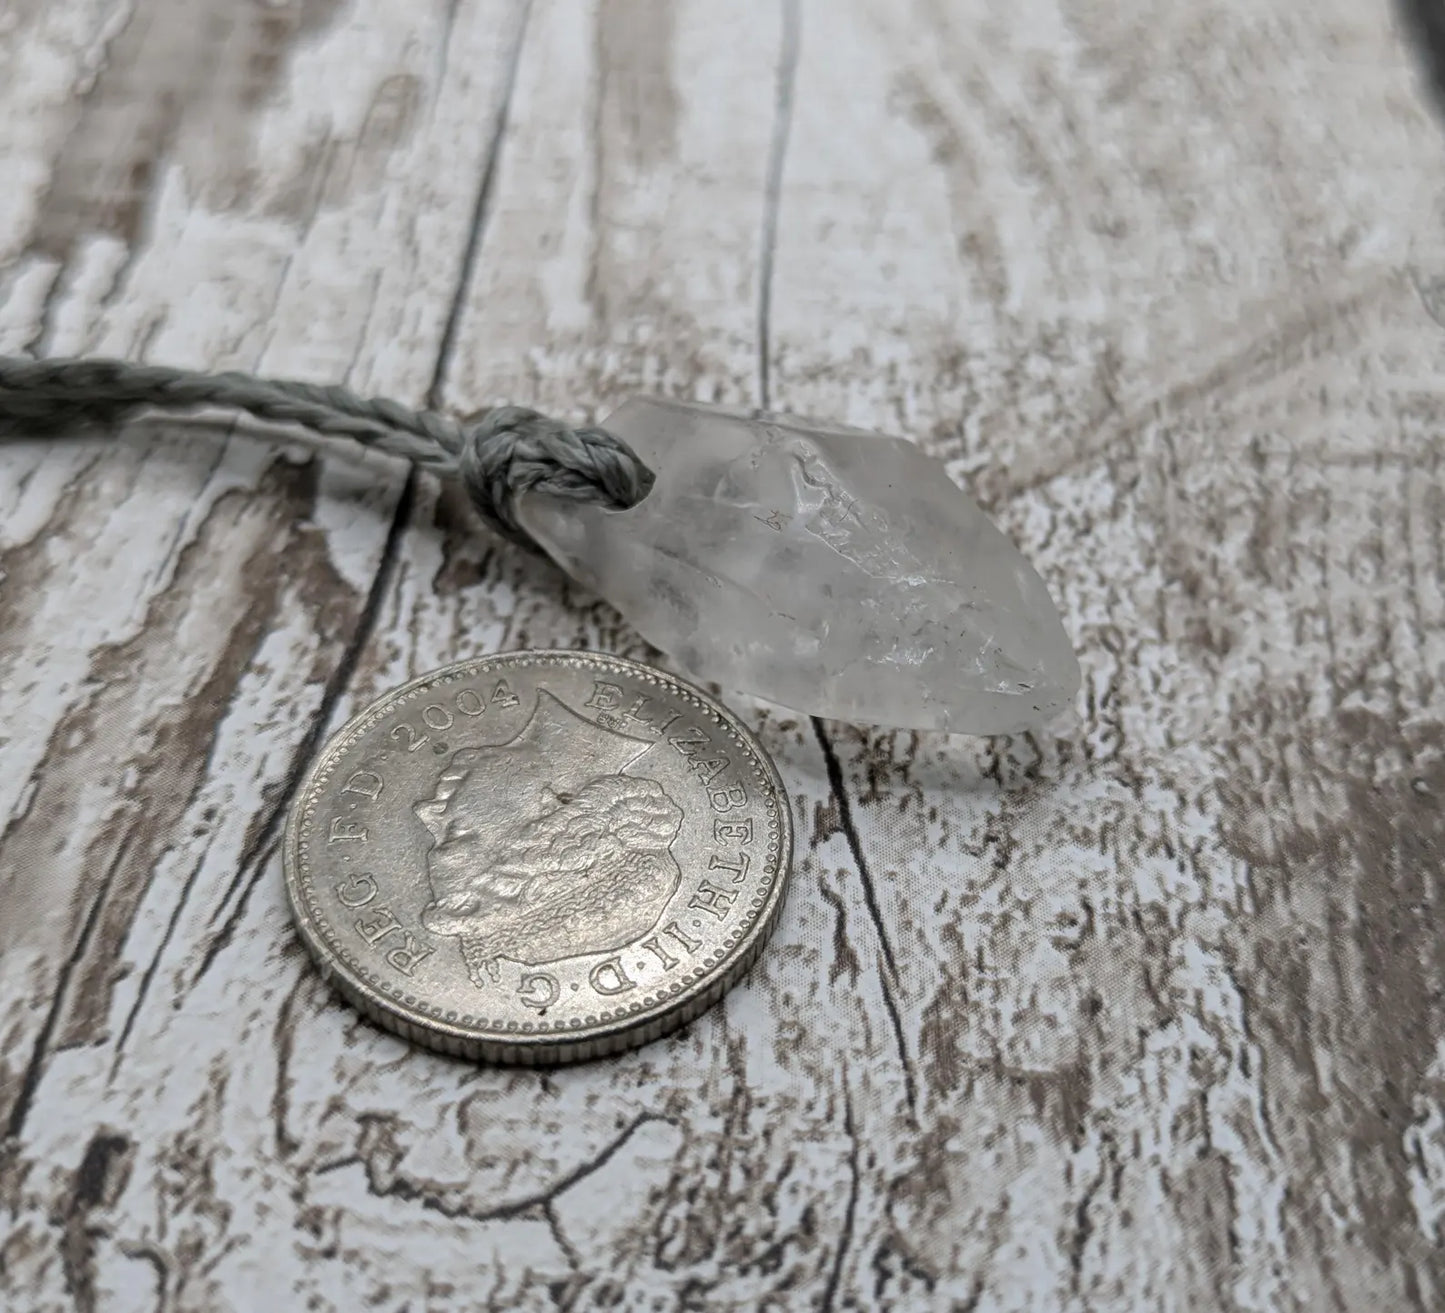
(538, 857)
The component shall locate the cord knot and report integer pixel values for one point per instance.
(510, 450)
(499, 453)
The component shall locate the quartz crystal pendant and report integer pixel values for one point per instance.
(836, 572)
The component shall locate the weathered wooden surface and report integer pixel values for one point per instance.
(1147, 1014)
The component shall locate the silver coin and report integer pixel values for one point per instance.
(538, 857)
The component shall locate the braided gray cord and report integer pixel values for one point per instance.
(499, 454)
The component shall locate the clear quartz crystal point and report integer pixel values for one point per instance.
(836, 572)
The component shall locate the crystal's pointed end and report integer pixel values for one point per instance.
(835, 573)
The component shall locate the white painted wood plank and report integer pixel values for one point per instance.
(165, 666)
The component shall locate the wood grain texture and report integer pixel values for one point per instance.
(1145, 1013)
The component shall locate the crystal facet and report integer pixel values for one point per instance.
(836, 572)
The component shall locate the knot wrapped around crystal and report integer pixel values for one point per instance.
(836, 572)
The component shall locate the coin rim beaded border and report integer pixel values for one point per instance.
(536, 1043)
